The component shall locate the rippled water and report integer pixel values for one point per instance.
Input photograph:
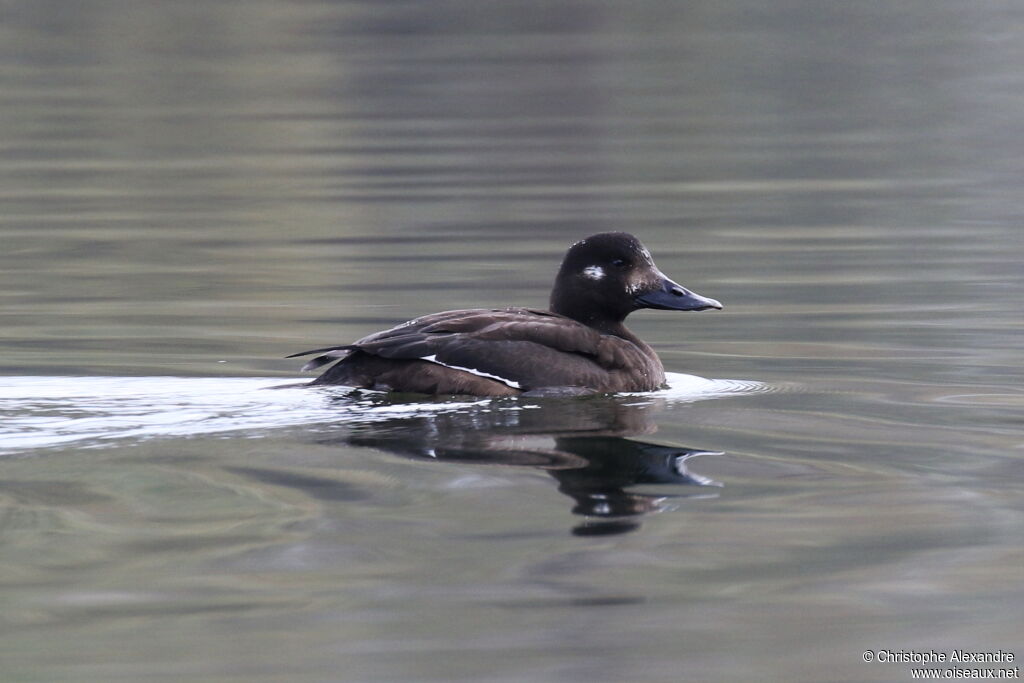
(192, 191)
(48, 412)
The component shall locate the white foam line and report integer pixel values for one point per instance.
(684, 388)
(47, 412)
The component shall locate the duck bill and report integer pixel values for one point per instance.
(674, 297)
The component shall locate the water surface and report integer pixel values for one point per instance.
(192, 191)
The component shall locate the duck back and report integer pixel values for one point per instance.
(492, 352)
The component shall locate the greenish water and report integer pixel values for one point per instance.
(191, 191)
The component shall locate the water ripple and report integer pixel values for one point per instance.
(48, 412)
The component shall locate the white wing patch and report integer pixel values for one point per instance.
(479, 373)
(593, 272)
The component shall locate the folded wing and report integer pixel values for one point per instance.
(523, 348)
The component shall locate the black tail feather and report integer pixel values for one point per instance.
(344, 347)
(321, 361)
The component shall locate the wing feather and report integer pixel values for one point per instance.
(524, 347)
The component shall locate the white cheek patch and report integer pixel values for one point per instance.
(479, 373)
(593, 272)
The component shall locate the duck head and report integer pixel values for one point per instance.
(607, 276)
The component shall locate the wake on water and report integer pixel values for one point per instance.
(48, 412)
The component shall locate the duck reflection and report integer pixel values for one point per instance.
(579, 442)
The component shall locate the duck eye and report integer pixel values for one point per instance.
(619, 263)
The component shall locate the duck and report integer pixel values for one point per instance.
(577, 346)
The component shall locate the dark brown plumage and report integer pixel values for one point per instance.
(579, 346)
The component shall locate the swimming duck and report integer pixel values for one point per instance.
(578, 346)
